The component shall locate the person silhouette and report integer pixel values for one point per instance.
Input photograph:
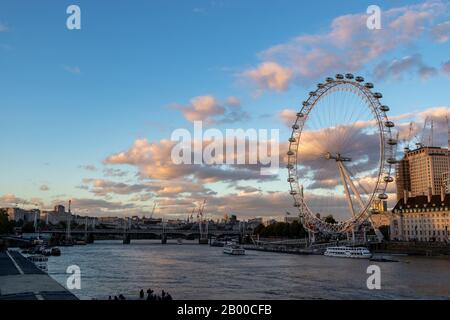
(141, 294)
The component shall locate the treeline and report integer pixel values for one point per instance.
(281, 229)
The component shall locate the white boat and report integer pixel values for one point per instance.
(40, 261)
(348, 252)
(234, 249)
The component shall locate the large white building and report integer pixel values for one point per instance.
(422, 218)
(422, 170)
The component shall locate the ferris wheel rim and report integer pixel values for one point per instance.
(386, 158)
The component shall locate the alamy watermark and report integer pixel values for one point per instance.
(74, 280)
(374, 280)
(235, 147)
(73, 22)
(373, 22)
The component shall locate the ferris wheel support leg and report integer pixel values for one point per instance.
(361, 203)
(344, 182)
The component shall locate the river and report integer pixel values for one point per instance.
(191, 271)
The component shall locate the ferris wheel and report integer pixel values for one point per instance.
(340, 155)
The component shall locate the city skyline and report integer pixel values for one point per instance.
(90, 114)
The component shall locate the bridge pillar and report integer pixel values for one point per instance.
(127, 239)
(90, 238)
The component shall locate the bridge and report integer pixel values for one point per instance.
(151, 233)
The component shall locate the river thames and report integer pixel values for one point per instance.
(191, 271)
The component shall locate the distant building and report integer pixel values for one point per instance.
(402, 179)
(422, 218)
(56, 216)
(422, 170)
(17, 214)
(380, 216)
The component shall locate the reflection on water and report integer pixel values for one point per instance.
(192, 271)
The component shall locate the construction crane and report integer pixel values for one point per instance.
(153, 210)
(420, 143)
(406, 141)
(200, 210)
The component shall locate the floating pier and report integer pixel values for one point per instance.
(20, 279)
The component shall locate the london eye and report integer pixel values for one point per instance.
(341, 153)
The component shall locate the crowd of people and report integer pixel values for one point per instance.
(151, 296)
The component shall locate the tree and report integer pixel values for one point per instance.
(28, 227)
(330, 219)
(385, 231)
(6, 226)
(259, 229)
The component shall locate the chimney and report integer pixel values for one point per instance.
(70, 204)
(429, 194)
(405, 196)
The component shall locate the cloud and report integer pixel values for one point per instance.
(270, 76)
(101, 187)
(211, 111)
(445, 68)
(44, 188)
(199, 10)
(348, 45)
(98, 205)
(395, 69)
(3, 28)
(73, 69)
(153, 161)
(441, 32)
(88, 167)
(287, 116)
(11, 200)
(110, 172)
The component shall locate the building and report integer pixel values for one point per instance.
(422, 218)
(380, 215)
(17, 214)
(56, 216)
(427, 168)
(402, 177)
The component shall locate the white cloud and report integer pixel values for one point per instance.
(397, 68)
(271, 76)
(348, 45)
(212, 111)
(73, 69)
(441, 32)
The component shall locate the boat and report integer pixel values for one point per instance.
(55, 252)
(39, 261)
(383, 259)
(233, 249)
(348, 252)
(217, 243)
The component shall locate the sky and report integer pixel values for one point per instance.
(88, 114)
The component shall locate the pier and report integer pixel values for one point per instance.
(20, 279)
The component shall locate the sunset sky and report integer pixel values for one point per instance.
(87, 114)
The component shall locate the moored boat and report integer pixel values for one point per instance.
(348, 252)
(233, 249)
(39, 261)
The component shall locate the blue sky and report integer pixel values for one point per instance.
(74, 98)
